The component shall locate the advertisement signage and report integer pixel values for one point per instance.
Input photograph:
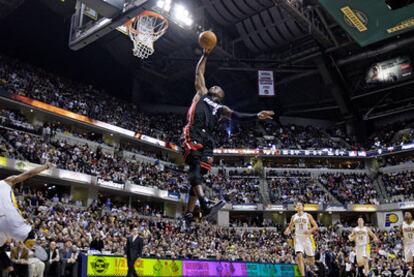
(256, 269)
(158, 267)
(407, 205)
(216, 268)
(364, 208)
(110, 266)
(311, 207)
(110, 184)
(106, 266)
(3, 161)
(392, 70)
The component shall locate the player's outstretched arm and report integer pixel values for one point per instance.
(351, 237)
(200, 82)
(15, 179)
(373, 235)
(232, 114)
(289, 228)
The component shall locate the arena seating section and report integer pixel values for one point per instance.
(68, 221)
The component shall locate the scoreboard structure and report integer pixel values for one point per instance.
(370, 21)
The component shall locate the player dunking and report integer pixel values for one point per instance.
(12, 223)
(202, 118)
(305, 226)
(361, 235)
(407, 230)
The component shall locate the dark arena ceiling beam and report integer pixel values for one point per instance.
(333, 85)
(8, 6)
(309, 19)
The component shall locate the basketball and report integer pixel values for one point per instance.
(207, 40)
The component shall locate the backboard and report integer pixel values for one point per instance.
(95, 18)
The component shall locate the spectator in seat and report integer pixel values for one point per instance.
(97, 243)
(52, 265)
(36, 266)
(67, 261)
(20, 257)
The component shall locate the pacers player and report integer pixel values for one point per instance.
(361, 235)
(12, 224)
(305, 226)
(407, 230)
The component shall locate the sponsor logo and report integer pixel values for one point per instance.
(355, 19)
(100, 266)
(406, 24)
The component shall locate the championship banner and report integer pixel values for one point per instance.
(370, 21)
(266, 83)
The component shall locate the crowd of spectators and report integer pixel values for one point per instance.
(399, 185)
(351, 188)
(289, 190)
(392, 134)
(86, 100)
(83, 159)
(66, 231)
(237, 190)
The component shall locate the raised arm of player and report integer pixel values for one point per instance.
(313, 224)
(289, 228)
(200, 82)
(15, 179)
(373, 236)
(232, 114)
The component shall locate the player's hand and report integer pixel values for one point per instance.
(263, 115)
(286, 232)
(377, 241)
(49, 165)
(206, 52)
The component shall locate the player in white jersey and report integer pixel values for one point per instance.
(305, 226)
(407, 230)
(361, 235)
(12, 223)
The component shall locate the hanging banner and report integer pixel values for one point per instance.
(266, 83)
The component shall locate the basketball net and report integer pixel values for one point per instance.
(144, 30)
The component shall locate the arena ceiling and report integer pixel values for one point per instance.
(319, 68)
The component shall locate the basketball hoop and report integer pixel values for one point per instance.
(144, 30)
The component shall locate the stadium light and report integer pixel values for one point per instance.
(180, 13)
(164, 4)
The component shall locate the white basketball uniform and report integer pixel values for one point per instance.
(12, 224)
(362, 243)
(408, 233)
(303, 243)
